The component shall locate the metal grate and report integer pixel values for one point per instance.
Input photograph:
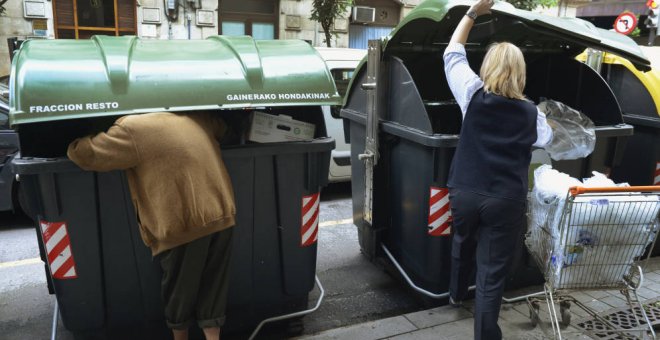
(620, 317)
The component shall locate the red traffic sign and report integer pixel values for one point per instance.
(625, 23)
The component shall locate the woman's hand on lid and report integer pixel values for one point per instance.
(482, 7)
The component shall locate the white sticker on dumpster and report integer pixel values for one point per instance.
(310, 220)
(99, 106)
(278, 96)
(58, 247)
(439, 212)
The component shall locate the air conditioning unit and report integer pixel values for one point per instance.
(363, 14)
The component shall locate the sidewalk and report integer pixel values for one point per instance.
(447, 322)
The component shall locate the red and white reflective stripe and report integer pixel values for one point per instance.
(58, 248)
(310, 220)
(439, 212)
(656, 181)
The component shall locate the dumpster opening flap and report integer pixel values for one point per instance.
(111, 76)
(430, 26)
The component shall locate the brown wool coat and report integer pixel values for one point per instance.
(178, 181)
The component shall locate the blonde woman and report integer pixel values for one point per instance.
(488, 175)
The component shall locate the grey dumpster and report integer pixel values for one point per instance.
(417, 125)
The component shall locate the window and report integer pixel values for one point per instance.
(257, 18)
(81, 19)
(233, 28)
(263, 31)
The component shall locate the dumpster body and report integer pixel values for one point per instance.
(639, 96)
(419, 125)
(108, 281)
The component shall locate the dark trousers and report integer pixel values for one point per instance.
(196, 280)
(485, 232)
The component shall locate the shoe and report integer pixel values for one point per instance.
(455, 304)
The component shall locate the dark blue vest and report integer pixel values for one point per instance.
(495, 147)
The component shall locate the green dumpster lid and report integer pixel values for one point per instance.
(65, 79)
(426, 25)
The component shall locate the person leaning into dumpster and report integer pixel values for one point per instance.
(184, 202)
(488, 175)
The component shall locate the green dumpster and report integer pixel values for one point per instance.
(104, 279)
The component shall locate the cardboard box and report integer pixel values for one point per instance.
(266, 128)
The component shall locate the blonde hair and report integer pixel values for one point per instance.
(503, 71)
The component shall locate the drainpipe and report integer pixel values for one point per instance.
(316, 33)
(562, 7)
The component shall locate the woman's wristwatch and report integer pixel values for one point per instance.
(472, 14)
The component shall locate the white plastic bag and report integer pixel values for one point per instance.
(574, 134)
(549, 195)
(601, 229)
(546, 204)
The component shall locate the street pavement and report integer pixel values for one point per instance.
(449, 323)
(361, 301)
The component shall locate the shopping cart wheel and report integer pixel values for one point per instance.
(534, 313)
(565, 310)
(635, 278)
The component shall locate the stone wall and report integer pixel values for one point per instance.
(177, 29)
(295, 24)
(13, 24)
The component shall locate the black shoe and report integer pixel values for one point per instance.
(455, 304)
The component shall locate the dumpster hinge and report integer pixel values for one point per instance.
(370, 155)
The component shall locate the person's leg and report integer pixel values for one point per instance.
(211, 333)
(180, 334)
(182, 269)
(212, 298)
(465, 219)
(501, 223)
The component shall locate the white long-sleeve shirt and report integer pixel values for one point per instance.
(464, 83)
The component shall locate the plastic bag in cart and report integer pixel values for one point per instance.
(611, 230)
(574, 134)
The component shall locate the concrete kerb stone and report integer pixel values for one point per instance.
(646, 294)
(460, 329)
(615, 301)
(456, 323)
(372, 330)
(652, 276)
(437, 316)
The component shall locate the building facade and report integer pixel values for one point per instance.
(262, 19)
(194, 19)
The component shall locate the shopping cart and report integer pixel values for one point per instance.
(594, 239)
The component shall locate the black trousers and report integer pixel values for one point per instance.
(196, 280)
(485, 232)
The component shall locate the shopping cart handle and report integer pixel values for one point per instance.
(574, 191)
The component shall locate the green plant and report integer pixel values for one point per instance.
(636, 32)
(531, 4)
(326, 12)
